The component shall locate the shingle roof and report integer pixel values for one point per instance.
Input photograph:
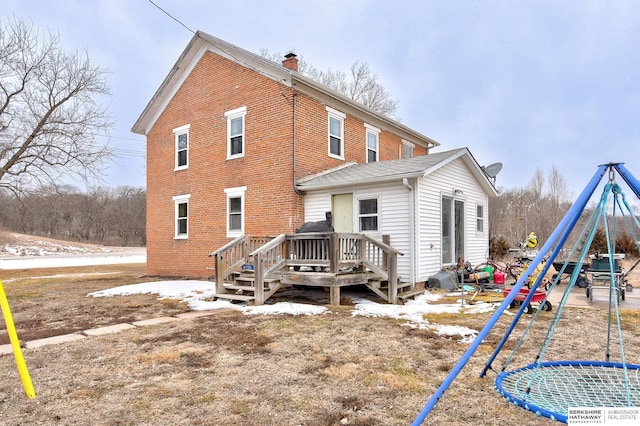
(380, 171)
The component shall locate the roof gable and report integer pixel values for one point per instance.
(202, 42)
(390, 170)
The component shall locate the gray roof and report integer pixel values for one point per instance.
(202, 42)
(383, 171)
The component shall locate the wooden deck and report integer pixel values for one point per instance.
(329, 260)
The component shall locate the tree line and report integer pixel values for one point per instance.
(539, 207)
(109, 216)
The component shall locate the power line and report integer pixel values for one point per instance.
(172, 17)
(127, 153)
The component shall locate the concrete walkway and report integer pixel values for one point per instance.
(578, 298)
(65, 338)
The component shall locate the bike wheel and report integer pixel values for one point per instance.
(513, 273)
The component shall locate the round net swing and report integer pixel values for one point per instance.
(551, 388)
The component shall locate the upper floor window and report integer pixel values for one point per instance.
(407, 149)
(479, 218)
(182, 146)
(368, 214)
(235, 132)
(235, 211)
(373, 136)
(336, 133)
(181, 203)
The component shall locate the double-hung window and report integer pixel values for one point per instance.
(336, 133)
(235, 211)
(373, 136)
(368, 214)
(480, 218)
(181, 203)
(182, 147)
(235, 132)
(407, 149)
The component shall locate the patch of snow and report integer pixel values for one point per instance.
(195, 293)
(43, 254)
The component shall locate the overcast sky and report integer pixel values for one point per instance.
(528, 84)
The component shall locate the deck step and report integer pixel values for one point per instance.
(237, 297)
(250, 279)
(409, 294)
(239, 287)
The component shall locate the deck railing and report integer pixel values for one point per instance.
(230, 257)
(321, 251)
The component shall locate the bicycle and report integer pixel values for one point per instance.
(510, 271)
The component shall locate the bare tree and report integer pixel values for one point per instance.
(50, 118)
(361, 86)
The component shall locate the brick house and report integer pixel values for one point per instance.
(240, 145)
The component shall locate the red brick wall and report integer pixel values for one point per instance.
(272, 207)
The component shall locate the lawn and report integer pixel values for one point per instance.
(228, 368)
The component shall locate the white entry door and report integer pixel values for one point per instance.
(342, 212)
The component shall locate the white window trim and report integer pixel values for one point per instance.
(180, 199)
(407, 144)
(230, 115)
(177, 132)
(483, 218)
(375, 131)
(358, 215)
(333, 113)
(239, 191)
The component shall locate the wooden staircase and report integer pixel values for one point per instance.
(329, 260)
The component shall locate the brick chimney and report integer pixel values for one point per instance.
(290, 61)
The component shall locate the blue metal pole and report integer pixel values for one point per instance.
(628, 177)
(580, 203)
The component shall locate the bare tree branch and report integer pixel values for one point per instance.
(361, 86)
(50, 118)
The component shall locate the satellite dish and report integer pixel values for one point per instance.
(492, 170)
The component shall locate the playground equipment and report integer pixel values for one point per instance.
(15, 345)
(550, 388)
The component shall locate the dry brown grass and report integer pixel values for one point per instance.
(235, 369)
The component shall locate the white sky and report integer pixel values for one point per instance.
(529, 84)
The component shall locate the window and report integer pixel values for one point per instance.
(407, 149)
(235, 132)
(235, 211)
(336, 133)
(182, 146)
(368, 214)
(181, 216)
(480, 218)
(373, 135)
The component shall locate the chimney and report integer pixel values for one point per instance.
(290, 61)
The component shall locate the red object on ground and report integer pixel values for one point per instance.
(538, 295)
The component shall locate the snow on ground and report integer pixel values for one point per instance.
(29, 253)
(196, 293)
(25, 251)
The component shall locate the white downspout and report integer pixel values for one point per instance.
(412, 228)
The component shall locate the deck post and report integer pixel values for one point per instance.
(258, 280)
(334, 253)
(246, 248)
(334, 295)
(219, 273)
(393, 277)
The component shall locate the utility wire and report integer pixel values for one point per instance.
(171, 16)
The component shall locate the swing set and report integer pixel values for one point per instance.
(551, 388)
